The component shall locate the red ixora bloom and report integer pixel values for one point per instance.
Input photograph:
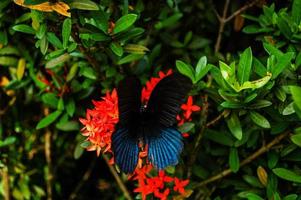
(179, 185)
(188, 108)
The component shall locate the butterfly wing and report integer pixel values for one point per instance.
(167, 97)
(124, 140)
(165, 144)
(129, 94)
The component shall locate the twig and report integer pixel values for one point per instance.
(215, 120)
(224, 19)
(5, 178)
(49, 175)
(85, 177)
(221, 27)
(118, 179)
(240, 10)
(249, 159)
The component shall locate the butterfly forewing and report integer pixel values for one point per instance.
(129, 95)
(167, 97)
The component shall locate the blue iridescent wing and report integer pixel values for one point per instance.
(124, 139)
(164, 150)
(125, 150)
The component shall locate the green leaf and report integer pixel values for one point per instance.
(78, 151)
(24, 29)
(290, 197)
(116, 48)
(83, 5)
(201, 68)
(234, 160)
(72, 72)
(170, 21)
(8, 141)
(249, 196)
(255, 84)
(70, 107)
(228, 104)
(287, 175)
(88, 72)
(48, 119)
(66, 31)
(289, 109)
(124, 23)
(234, 126)
(186, 127)
(272, 50)
(50, 99)
(282, 62)
(8, 61)
(136, 49)
(44, 45)
(68, 126)
(296, 139)
(283, 26)
(244, 66)
(296, 93)
(259, 120)
(129, 58)
(185, 69)
(60, 105)
(57, 61)
(54, 40)
(223, 138)
(260, 104)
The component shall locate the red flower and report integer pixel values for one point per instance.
(144, 189)
(189, 107)
(179, 185)
(100, 122)
(162, 196)
(151, 84)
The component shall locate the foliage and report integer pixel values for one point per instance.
(242, 117)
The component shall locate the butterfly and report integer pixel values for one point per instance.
(152, 123)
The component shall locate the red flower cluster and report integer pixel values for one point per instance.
(100, 122)
(160, 186)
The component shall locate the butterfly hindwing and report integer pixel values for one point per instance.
(125, 150)
(167, 97)
(129, 94)
(164, 149)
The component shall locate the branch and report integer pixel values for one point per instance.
(118, 179)
(239, 11)
(249, 159)
(5, 182)
(215, 120)
(221, 27)
(49, 175)
(85, 177)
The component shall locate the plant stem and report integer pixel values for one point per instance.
(5, 182)
(249, 159)
(118, 179)
(49, 175)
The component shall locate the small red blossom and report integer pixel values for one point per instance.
(163, 195)
(144, 189)
(179, 185)
(189, 107)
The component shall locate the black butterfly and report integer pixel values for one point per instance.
(154, 124)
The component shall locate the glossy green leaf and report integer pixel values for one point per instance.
(84, 5)
(116, 48)
(66, 31)
(250, 196)
(282, 62)
(57, 61)
(48, 119)
(185, 69)
(8, 141)
(287, 175)
(233, 123)
(296, 93)
(186, 127)
(296, 139)
(244, 66)
(24, 29)
(136, 49)
(259, 119)
(234, 160)
(201, 68)
(129, 58)
(124, 23)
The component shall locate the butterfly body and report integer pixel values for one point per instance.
(152, 123)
